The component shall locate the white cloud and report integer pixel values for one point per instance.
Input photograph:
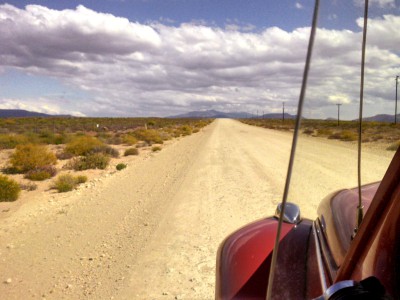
(299, 5)
(129, 68)
(339, 99)
(379, 3)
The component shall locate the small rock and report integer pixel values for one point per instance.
(165, 294)
(8, 281)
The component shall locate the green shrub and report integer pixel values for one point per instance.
(156, 148)
(65, 183)
(394, 146)
(91, 161)
(41, 173)
(120, 166)
(82, 145)
(131, 151)
(9, 189)
(30, 156)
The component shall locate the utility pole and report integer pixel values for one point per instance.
(338, 113)
(395, 109)
(283, 112)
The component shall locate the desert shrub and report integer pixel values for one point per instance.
(30, 156)
(149, 136)
(129, 140)
(120, 166)
(308, 131)
(105, 149)
(64, 183)
(48, 137)
(345, 135)
(196, 130)
(82, 145)
(91, 161)
(10, 141)
(156, 148)
(131, 151)
(9, 189)
(114, 140)
(28, 186)
(41, 173)
(186, 130)
(64, 155)
(348, 135)
(324, 132)
(81, 179)
(394, 146)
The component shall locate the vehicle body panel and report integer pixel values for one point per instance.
(314, 255)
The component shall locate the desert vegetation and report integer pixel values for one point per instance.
(40, 148)
(373, 132)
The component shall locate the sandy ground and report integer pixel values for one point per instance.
(152, 230)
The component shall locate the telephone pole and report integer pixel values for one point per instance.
(338, 113)
(283, 112)
(395, 109)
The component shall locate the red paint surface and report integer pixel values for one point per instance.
(243, 252)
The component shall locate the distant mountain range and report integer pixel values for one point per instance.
(382, 118)
(214, 114)
(20, 113)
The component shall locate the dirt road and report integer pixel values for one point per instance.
(152, 230)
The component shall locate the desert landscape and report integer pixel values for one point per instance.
(152, 230)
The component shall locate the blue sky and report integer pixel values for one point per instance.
(160, 57)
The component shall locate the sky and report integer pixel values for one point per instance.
(131, 58)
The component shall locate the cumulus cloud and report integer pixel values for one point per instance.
(135, 69)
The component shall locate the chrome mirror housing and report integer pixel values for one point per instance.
(291, 215)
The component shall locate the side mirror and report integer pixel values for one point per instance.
(291, 215)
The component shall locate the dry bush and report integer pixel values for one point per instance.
(67, 182)
(42, 173)
(131, 151)
(30, 186)
(91, 161)
(105, 149)
(9, 189)
(394, 146)
(10, 141)
(156, 148)
(324, 132)
(149, 136)
(30, 156)
(82, 145)
(308, 131)
(129, 140)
